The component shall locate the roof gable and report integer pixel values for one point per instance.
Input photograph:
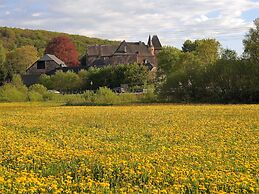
(123, 48)
(48, 57)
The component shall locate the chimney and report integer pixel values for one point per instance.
(100, 50)
(151, 46)
(149, 42)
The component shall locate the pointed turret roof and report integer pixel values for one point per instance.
(149, 42)
(156, 42)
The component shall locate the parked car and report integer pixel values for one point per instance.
(54, 91)
(118, 90)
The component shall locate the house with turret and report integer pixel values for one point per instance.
(125, 53)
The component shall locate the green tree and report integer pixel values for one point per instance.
(207, 50)
(233, 81)
(189, 46)
(228, 54)
(8, 37)
(187, 82)
(168, 60)
(20, 59)
(184, 74)
(119, 75)
(251, 43)
(136, 74)
(65, 81)
(98, 77)
(110, 76)
(2, 66)
(2, 54)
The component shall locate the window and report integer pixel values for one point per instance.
(41, 65)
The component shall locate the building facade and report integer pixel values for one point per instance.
(125, 53)
(48, 64)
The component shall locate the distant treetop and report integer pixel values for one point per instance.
(63, 48)
(14, 38)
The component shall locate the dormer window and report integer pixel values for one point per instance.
(41, 65)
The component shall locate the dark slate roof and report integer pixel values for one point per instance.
(139, 47)
(123, 48)
(48, 57)
(103, 50)
(133, 48)
(156, 42)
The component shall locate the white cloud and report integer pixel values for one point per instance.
(133, 18)
(37, 14)
(172, 20)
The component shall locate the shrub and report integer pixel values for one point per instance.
(150, 95)
(39, 89)
(105, 95)
(89, 96)
(10, 93)
(38, 92)
(46, 81)
(66, 98)
(35, 96)
(18, 84)
(128, 98)
(15, 91)
(54, 97)
(65, 81)
(73, 99)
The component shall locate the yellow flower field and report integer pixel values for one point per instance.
(48, 148)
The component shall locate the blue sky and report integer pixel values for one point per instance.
(173, 21)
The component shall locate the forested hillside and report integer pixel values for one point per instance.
(14, 38)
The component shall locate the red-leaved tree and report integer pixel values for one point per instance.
(63, 48)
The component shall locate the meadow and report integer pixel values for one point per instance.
(48, 148)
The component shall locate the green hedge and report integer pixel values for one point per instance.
(17, 92)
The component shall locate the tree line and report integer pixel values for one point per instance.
(16, 91)
(13, 38)
(94, 78)
(203, 72)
